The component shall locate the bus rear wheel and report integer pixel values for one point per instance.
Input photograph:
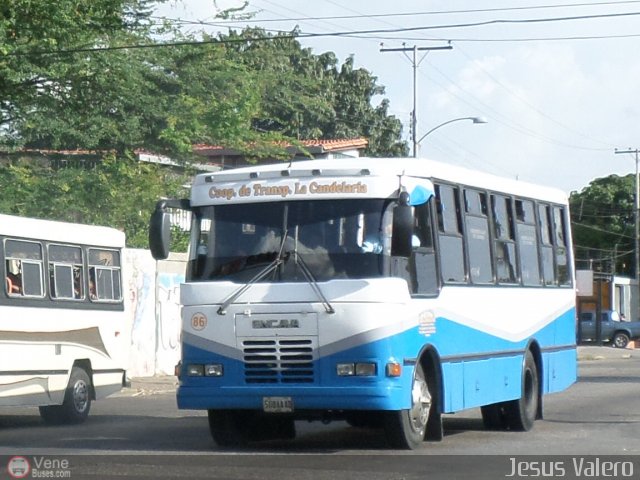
(77, 401)
(407, 428)
(521, 413)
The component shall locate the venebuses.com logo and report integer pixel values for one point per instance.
(38, 467)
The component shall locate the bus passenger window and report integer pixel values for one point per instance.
(560, 244)
(422, 264)
(546, 241)
(105, 283)
(527, 243)
(24, 267)
(504, 243)
(451, 250)
(66, 274)
(477, 223)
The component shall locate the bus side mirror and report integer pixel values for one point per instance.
(159, 232)
(402, 229)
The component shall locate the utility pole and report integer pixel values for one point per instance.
(637, 227)
(415, 63)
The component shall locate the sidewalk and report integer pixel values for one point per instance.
(143, 386)
(589, 352)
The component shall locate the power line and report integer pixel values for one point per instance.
(346, 33)
(428, 13)
(597, 229)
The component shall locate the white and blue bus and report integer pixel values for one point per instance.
(384, 292)
(62, 324)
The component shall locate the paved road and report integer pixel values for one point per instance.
(599, 415)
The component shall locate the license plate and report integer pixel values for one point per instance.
(277, 404)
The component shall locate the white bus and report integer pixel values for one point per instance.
(61, 316)
(385, 292)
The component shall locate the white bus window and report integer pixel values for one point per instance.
(66, 273)
(104, 275)
(24, 268)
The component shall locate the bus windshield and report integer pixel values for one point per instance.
(330, 238)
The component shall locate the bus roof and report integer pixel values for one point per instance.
(416, 167)
(33, 228)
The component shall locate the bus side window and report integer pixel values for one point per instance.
(504, 239)
(105, 282)
(546, 242)
(24, 266)
(478, 245)
(451, 249)
(66, 274)
(527, 242)
(563, 267)
(423, 262)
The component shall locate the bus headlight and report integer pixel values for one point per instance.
(214, 370)
(195, 370)
(345, 369)
(365, 369)
(361, 369)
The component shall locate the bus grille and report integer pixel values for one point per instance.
(278, 360)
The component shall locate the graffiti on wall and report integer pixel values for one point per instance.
(168, 323)
(153, 315)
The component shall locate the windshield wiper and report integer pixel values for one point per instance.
(259, 276)
(314, 283)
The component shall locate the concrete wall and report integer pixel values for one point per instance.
(152, 312)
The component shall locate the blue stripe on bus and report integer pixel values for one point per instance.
(478, 369)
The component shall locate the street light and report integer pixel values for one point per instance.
(473, 119)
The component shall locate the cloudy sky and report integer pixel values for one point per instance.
(558, 81)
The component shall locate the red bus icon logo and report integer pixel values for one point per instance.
(18, 467)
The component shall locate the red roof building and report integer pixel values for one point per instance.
(221, 157)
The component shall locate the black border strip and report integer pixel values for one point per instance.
(109, 370)
(503, 353)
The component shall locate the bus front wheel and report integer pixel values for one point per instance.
(406, 428)
(77, 401)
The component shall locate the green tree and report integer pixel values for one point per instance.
(311, 96)
(71, 79)
(603, 224)
(119, 192)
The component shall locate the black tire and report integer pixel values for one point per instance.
(406, 429)
(522, 413)
(620, 340)
(77, 401)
